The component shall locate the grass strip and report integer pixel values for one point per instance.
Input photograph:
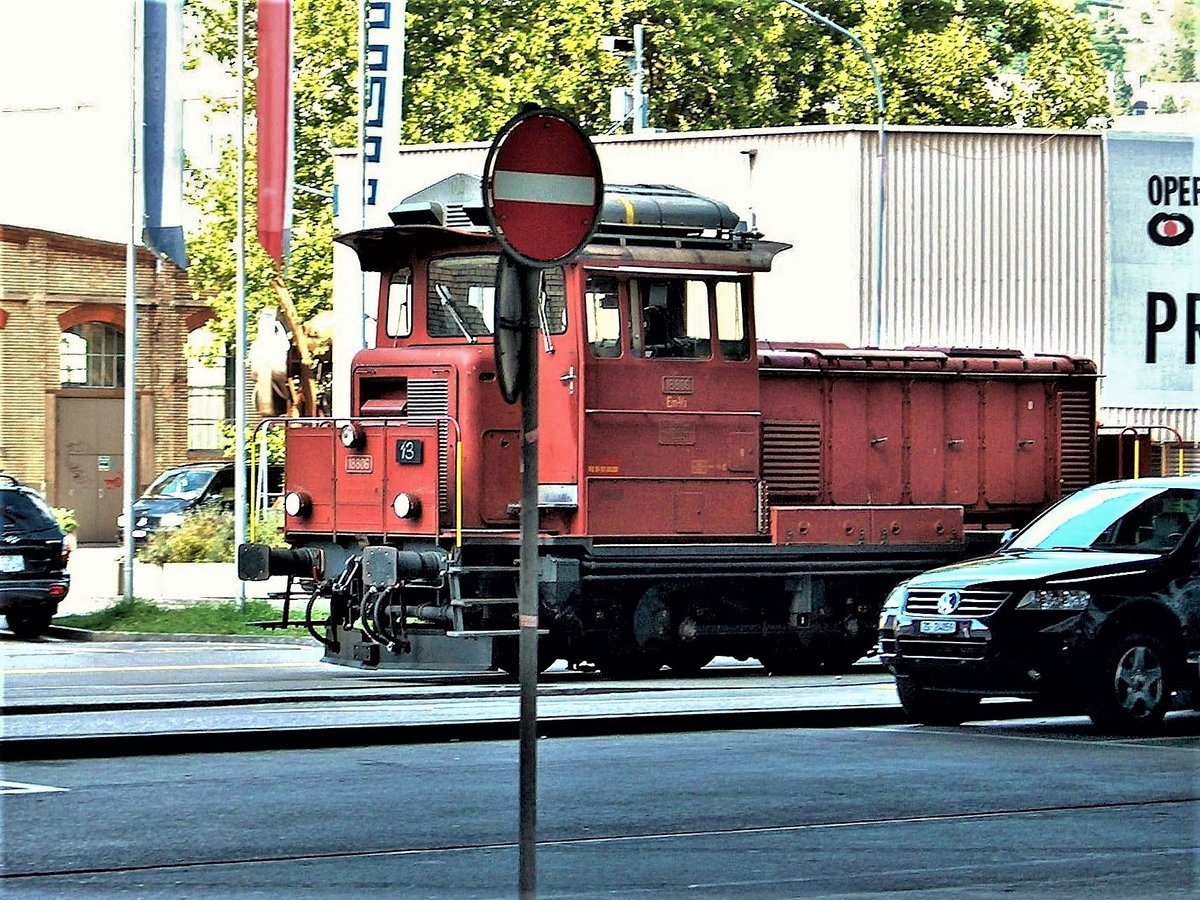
(200, 618)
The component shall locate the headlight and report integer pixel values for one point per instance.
(352, 436)
(296, 504)
(891, 606)
(121, 520)
(1059, 600)
(171, 520)
(406, 506)
(895, 599)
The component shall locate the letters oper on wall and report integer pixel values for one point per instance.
(1152, 353)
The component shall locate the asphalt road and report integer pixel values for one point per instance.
(1017, 808)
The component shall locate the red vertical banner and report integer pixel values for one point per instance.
(274, 107)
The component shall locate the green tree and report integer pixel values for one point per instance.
(710, 64)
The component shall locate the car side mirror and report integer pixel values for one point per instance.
(1007, 537)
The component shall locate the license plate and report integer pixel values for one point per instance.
(9, 563)
(938, 626)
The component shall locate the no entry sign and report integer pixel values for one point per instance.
(542, 188)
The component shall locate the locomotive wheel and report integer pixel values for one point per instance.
(687, 662)
(506, 655)
(628, 663)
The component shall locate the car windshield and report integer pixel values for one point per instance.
(22, 512)
(1149, 519)
(182, 484)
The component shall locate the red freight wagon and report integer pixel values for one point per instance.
(702, 492)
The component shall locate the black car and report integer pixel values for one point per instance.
(182, 490)
(176, 493)
(33, 560)
(1093, 607)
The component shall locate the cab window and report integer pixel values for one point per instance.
(669, 318)
(603, 311)
(398, 314)
(731, 321)
(461, 298)
(554, 301)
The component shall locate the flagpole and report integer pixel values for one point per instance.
(240, 504)
(129, 485)
(364, 96)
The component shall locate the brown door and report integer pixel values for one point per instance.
(90, 465)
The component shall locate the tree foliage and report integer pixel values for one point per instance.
(710, 64)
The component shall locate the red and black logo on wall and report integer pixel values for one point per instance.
(1170, 229)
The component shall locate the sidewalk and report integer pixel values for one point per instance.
(96, 581)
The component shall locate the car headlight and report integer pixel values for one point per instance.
(1056, 600)
(893, 603)
(895, 599)
(170, 520)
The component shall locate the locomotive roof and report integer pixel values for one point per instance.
(642, 223)
(386, 248)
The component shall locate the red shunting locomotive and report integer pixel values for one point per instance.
(702, 492)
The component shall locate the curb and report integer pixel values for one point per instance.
(346, 736)
(82, 635)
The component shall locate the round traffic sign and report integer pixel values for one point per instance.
(542, 188)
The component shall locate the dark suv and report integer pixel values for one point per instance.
(1093, 607)
(33, 560)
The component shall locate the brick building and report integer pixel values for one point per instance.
(62, 370)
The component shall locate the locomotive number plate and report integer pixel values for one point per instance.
(360, 464)
(410, 452)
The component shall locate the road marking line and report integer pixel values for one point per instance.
(178, 668)
(20, 787)
(976, 731)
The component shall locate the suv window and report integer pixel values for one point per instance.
(21, 511)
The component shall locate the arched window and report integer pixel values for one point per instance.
(92, 354)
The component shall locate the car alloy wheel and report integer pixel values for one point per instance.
(1134, 686)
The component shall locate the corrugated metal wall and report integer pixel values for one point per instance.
(995, 238)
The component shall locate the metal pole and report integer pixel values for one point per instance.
(239, 469)
(641, 111)
(881, 201)
(364, 98)
(129, 492)
(527, 608)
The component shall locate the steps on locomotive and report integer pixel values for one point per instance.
(460, 603)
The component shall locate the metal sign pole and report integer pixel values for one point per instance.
(527, 609)
(542, 191)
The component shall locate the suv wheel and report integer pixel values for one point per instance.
(931, 707)
(1132, 689)
(30, 623)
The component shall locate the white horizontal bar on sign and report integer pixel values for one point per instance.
(536, 187)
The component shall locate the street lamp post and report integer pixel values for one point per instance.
(877, 326)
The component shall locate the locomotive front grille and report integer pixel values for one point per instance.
(973, 605)
(429, 404)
